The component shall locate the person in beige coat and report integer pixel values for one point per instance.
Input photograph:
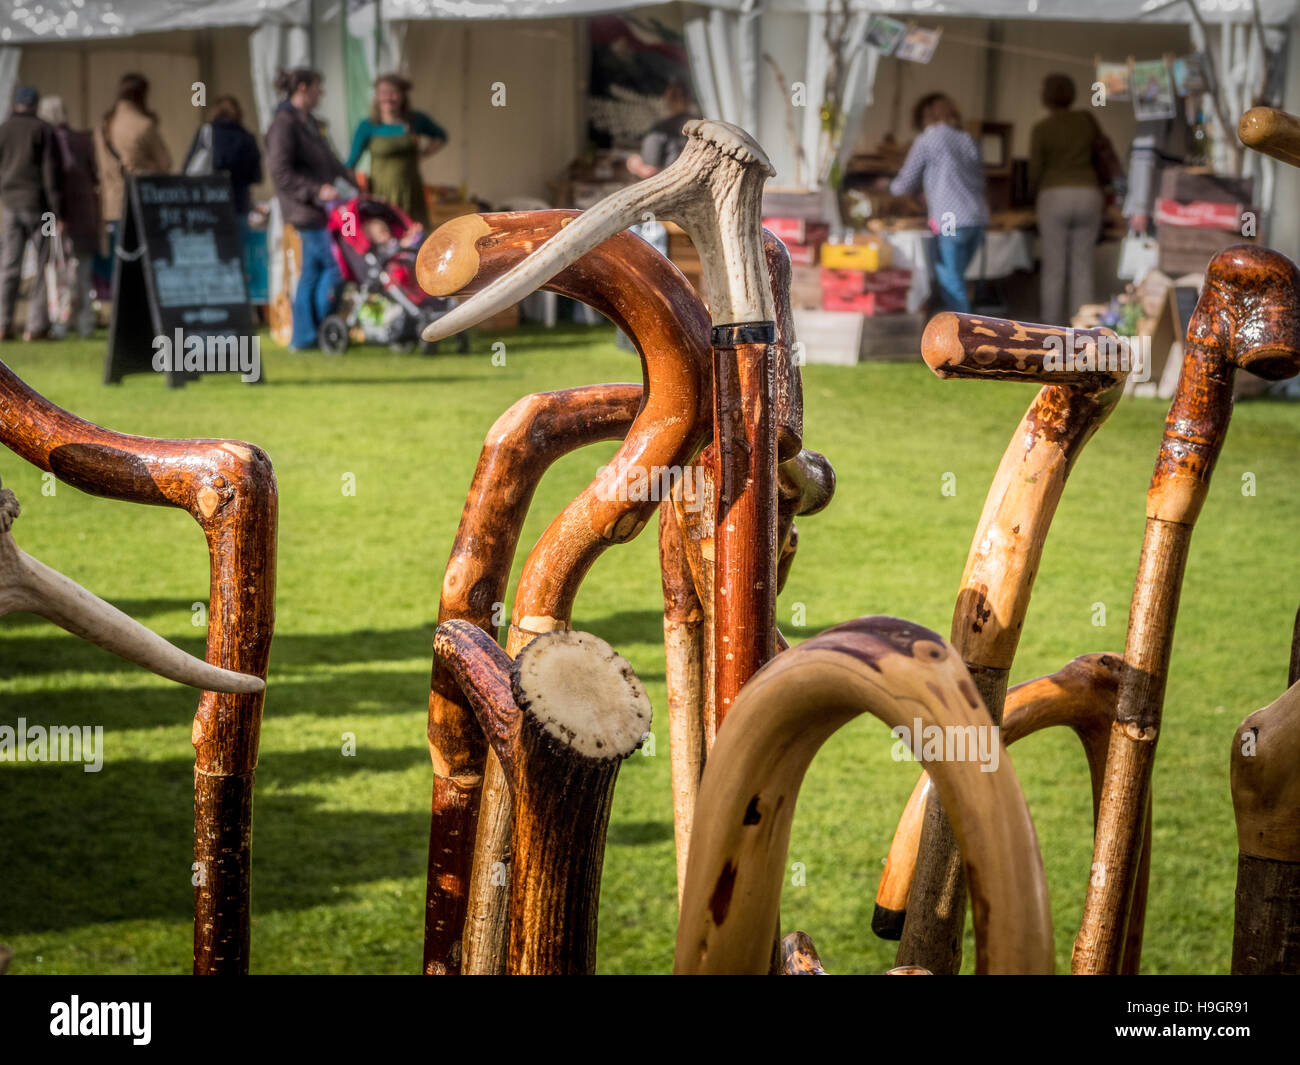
(127, 142)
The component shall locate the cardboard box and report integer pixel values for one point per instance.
(803, 254)
(798, 230)
(871, 254)
(868, 303)
(1189, 184)
(794, 203)
(1187, 250)
(852, 282)
(829, 337)
(1200, 214)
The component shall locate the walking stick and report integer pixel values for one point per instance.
(561, 718)
(1083, 381)
(627, 280)
(520, 447)
(1248, 317)
(714, 191)
(907, 676)
(1273, 132)
(229, 489)
(1266, 799)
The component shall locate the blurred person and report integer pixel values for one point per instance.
(30, 192)
(127, 141)
(304, 171)
(1069, 200)
(945, 163)
(223, 146)
(664, 141)
(80, 223)
(397, 138)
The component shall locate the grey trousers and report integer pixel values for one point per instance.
(16, 230)
(1069, 218)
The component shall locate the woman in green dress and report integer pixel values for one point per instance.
(397, 139)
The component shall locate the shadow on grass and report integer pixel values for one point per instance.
(639, 833)
(77, 848)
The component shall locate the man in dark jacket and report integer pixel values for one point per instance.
(303, 169)
(29, 191)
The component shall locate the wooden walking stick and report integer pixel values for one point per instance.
(648, 298)
(714, 191)
(561, 718)
(228, 488)
(1266, 799)
(1248, 317)
(1083, 374)
(1273, 132)
(520, 447)
(910, 678)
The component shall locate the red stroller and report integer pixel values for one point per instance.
(375, 253)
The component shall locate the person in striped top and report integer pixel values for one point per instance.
(945, 163)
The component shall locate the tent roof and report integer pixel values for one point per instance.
(50, 20)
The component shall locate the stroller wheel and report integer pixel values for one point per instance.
(334, 335)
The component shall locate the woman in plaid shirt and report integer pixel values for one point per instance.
(945, 163)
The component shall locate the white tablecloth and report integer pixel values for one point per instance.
(1002, 253)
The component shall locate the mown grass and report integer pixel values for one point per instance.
(95, 868)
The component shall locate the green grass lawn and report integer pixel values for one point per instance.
(95, 868)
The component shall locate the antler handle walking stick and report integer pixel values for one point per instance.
(229, 489)
(1248, 317)
(1083, 373)
(1266, 799)
(907, 676)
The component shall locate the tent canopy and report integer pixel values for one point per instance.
(70, 20)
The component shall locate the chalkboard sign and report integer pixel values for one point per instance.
(180, 302)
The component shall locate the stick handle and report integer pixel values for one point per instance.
(1273, 132)
(972, 345)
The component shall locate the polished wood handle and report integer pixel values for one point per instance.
(1273, 132)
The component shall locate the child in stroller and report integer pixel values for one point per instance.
(375, 245)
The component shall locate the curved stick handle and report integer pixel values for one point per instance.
(519, 448)
(1273, 132)
(228, 487)
(907, 676)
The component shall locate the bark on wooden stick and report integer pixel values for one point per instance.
(561, 718)
(520, 447)
(228, 488)
(1083, 375)
(1248, 317)
(900, 672)
(1266, 799)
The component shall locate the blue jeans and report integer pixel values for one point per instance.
(953, 255)
(317, 287)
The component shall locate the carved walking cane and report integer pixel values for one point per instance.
(647, 297)
(714, 191)
(1248, 317)
(229, 489)
(1082, 383)
(899, 672)
(561, 718)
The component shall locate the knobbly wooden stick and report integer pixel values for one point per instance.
(1083, 375)
(901, 673)
(1266, 799)
(520, 447)
(561, 718)
(1248, 317)
(229, 489)
(1273, 132)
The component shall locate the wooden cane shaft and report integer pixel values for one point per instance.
(745, 528)
(1266, 928)
(1273, 132)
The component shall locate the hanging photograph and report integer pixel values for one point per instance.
(918, 45)
(1153, 91)
(1190, 75)
(884, 33)
(1114, 80)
